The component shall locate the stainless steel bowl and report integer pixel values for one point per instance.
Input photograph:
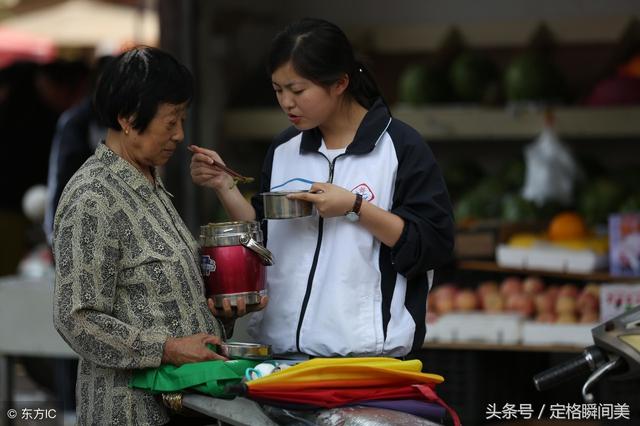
(278, 206)
(239, 350)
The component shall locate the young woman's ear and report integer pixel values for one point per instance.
(341, 85)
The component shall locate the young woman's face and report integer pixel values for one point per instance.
(306, 103)
(156, 144)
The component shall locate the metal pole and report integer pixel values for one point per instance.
(6, 389)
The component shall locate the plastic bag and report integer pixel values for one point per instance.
(551, 170)
(208, 377)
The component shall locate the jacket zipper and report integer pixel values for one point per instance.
(314, 264)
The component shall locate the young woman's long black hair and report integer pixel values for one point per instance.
(320, 51)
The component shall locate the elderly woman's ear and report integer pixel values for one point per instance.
(126, 124)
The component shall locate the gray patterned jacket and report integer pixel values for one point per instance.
(127, 277)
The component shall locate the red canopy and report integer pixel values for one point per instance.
(16, 45)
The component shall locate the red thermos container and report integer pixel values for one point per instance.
(233, 261)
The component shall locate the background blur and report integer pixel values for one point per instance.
(532, 109)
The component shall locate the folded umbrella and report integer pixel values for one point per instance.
(347, 372)
(335, 382)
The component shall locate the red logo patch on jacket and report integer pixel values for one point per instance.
(364, 190)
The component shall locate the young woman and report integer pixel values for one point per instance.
(352, 281)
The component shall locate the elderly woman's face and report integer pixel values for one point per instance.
(161, 137)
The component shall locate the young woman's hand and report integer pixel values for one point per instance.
(183, 350)
(203, 171)
(330, 200)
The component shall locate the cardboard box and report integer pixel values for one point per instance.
(615, 299)
(624, 244)
(479, 239)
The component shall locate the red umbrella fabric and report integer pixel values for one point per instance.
(338, 397)
(17, 45)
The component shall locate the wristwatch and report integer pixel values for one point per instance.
(354, 214)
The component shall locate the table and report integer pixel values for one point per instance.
(238, 411)
(26, 328)
(244, 412)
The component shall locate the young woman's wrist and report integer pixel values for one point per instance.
(229, 185)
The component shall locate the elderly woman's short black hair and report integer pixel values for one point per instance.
(136, 82)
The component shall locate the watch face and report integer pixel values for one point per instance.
(352, 216)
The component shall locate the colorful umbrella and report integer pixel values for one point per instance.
(347, 372)
(334, 382)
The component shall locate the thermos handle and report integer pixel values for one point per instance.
(253, 245)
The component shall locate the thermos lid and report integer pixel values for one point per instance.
(229, 233)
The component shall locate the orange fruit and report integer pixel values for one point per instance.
(567, 226)
(631, 68)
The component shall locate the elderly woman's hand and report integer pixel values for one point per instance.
(204, 173)
(230, 313)
(183, 350)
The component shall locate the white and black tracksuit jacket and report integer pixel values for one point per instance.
(335, 290)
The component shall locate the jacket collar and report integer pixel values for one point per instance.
(373, 125)
(128, 173)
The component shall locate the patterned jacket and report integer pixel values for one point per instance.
(127, 277)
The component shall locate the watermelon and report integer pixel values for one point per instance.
(473, 77)
(421, 84)
(532, 76)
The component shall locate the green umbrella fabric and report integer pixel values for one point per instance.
(209, 377)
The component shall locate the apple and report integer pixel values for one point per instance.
(553, 290)
(568, 290)
(587, 302)
(431, 317)
(444, 290)
(466, 300)
(522, 303)
(493, 302)
(486, 287)
(444, 305)
(511, 285)
(533, 285)
(431, 303)
(592, 288)
(589, 317)
(545, 302)
(546, 317)
(565, 305)
(442, 296)
(566, 318)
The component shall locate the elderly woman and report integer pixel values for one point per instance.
(128, 290)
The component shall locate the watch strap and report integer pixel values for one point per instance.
(357, 204)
